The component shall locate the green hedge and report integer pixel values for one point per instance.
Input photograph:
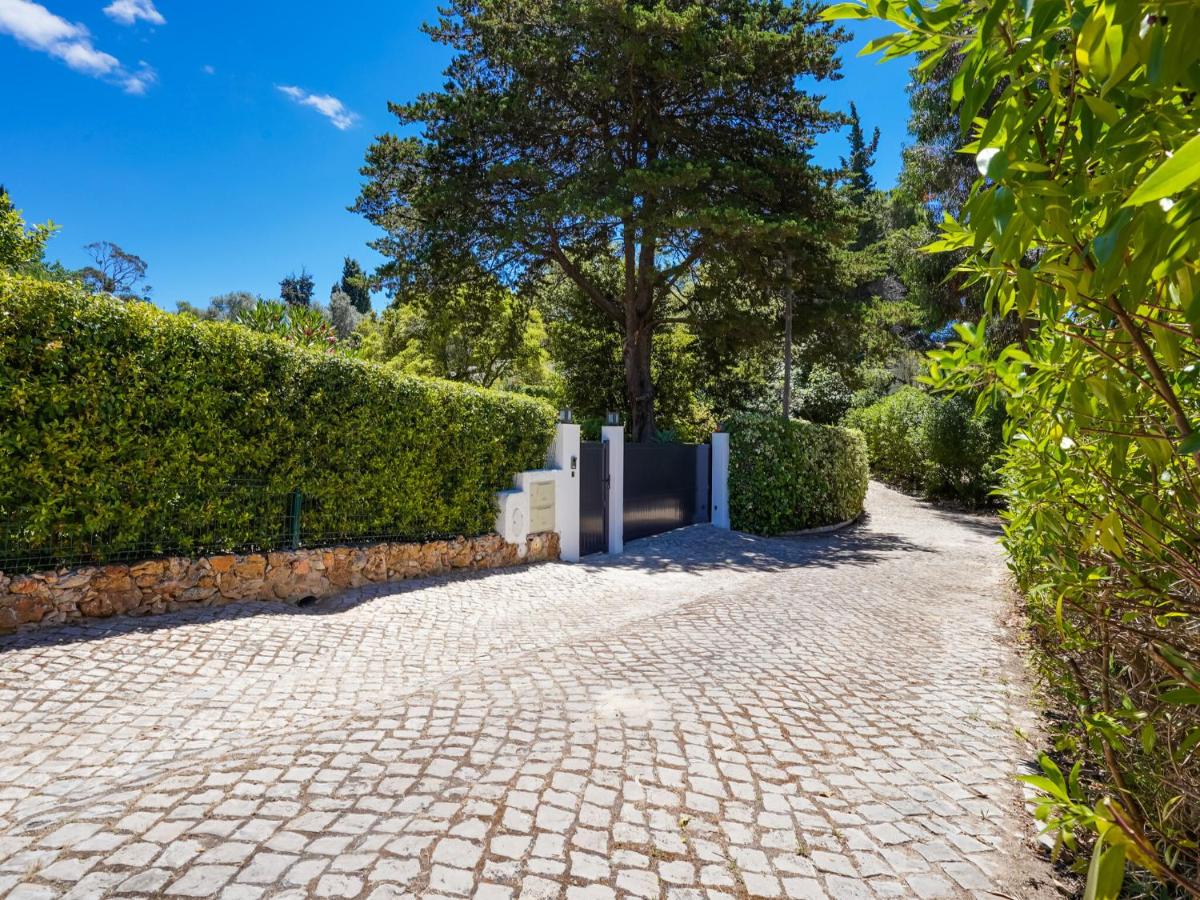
(894, 428)
(937, 445)
(123, 427)
(786, 476)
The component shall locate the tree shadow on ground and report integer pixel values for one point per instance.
(697, 549)
(985, 523)
(703, 548)
(98, 629)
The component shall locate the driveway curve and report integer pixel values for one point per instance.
(709, 715)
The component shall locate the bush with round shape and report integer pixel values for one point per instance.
(824, 397)
(962, 447)
(790, 475)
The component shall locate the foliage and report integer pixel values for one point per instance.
(935, 180)
(859, 163)
(962, 446)
(894, 429)
(297, 290)
(655, 133)
(343, 315)
(823, 398)
(480, 333)
(115, 271)
(790, 475)
(939, 446)
(302, 326)
(585, 347)
(355, 284)
(21, 248)
(223, 307)
(121, 421)
(1082, 227)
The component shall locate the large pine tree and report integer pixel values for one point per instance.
(659, 133)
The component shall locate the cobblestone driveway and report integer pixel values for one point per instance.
(712, 715)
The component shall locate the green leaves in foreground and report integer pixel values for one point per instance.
(1176, 173)
(1083, 229)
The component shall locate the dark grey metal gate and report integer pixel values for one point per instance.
(666, 487)
(593, 497)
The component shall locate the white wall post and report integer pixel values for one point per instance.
(613, 437)
(720, 480)
(564, 456)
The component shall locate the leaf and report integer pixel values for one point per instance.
(845, 11)
(1105, 111)
(1045, 785)
(1147, 737)
(1105, 245)
(1112, 534)
(1190, 444)
(1175, 173)
(1167, 342)
(1106, 872)
(1185, 696)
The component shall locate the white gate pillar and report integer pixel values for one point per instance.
(720, 480)
(613, 437)
(564, 456)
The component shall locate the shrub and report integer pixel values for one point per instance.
(789, 475)
(894, 429)
(936, 445)
(962, 448)
(823, 398)
(127, 429)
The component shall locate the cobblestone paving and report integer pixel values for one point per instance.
(709, 716)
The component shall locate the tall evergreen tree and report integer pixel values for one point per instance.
(658, 133)
(861, 159)
(355, 285)
(297, 290)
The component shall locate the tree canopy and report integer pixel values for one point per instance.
(355, 284)
(655, 132)
(297, 290)
(21, 248)
(115, 271)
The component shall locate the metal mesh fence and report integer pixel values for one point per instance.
(240, 517)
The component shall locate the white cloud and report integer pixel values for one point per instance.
(330, 107)
(140, 81)
(129, 11)
(39, 29)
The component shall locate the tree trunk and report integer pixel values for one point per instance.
(787, 344)
(639, 388)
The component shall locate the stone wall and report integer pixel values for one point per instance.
(162, 585)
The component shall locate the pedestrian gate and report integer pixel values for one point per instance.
(593, 497)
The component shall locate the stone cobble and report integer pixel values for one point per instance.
(711, 715)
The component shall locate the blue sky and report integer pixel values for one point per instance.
(221, 141)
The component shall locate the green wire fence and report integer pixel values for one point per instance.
(240, 517)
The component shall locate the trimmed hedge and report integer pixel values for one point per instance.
(790, 475)
(894, 428)
(938, 445)
(125, 428)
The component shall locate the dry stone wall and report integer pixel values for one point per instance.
(162, 585)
